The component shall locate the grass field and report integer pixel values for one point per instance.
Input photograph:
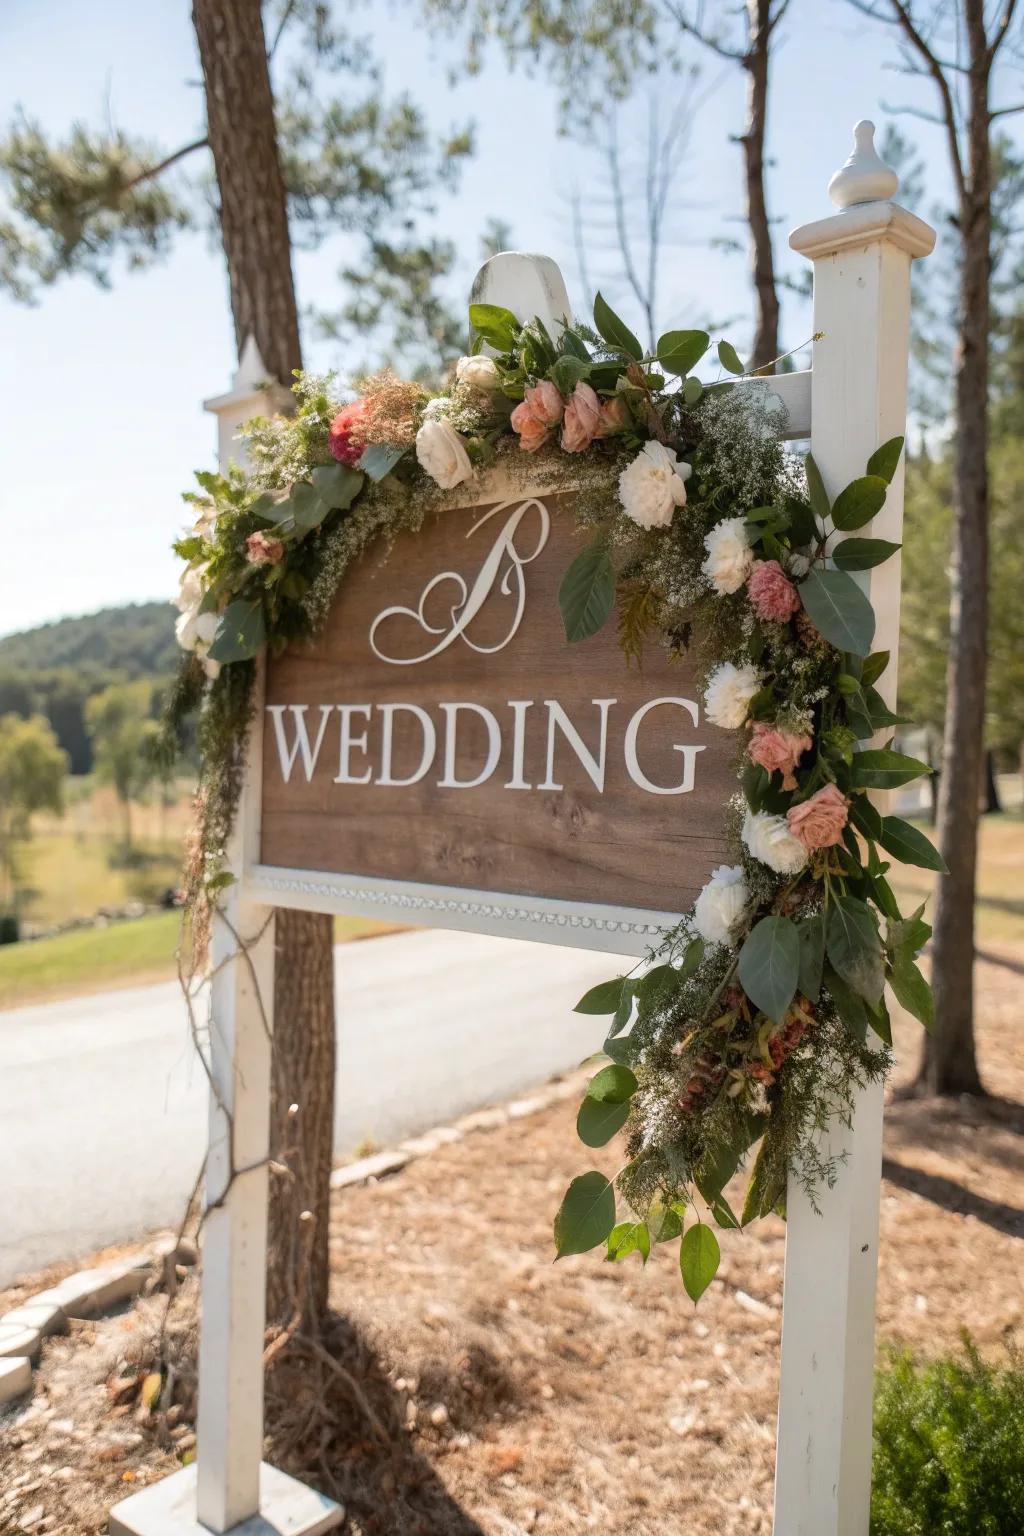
(127, 954)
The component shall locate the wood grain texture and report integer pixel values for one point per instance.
(625, 845)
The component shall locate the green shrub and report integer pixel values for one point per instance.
(949, 1447)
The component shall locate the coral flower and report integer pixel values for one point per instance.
(346, 440)
(772, 594)
(819, 821)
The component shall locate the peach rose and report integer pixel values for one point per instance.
(537, 414)
(777, 751)
(259, 550)
(582, 419)
(615, 417)
(772, 594)
(819, 821)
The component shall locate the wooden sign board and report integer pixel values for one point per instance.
(442, 754)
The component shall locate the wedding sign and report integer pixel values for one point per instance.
(443, 731)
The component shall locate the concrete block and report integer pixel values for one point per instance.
(44, 1313)
(15, 1378)
(374, 1167)
(19, 1340)
(168, 1508)
(91, 1292)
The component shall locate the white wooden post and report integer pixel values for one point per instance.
(532, 287)
(862, 258)
(230, 1487)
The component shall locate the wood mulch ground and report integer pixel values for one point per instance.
(521, 1396)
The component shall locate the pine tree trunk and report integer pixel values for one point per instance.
(948, 1064)
(762, 260)
(257, 244)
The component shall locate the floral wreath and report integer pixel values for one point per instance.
(760, 1014)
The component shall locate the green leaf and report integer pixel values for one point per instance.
(586, 1215)
(884, 460)
(567, 373)
(811, 934)
(863, 554)
(874, 666)
(817, 494)
(597, 1123)
(769, 965)
(881, 768)
(866, 817)
(692, 391)
(679, 351)
(306, 506)
(624, 1012)
(665, 1221)
(498, 326)
(587, 593)
(764, 1192)
(692, 957)
(699, 1257)
(855, 948)
(839, 610)
(655, 981)
(858, 503)
(337, 485)
(270, 507)
(912, 992)
(629, 1237)
(907, 935)
(242, 631)
(604, 998)
(612, 1085)
(850, 1005)
(622, 1049)
(615, 332)
(379, 460)
(910, 845)
(574, 345)
(729, 357)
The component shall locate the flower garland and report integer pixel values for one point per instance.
(759, 1015)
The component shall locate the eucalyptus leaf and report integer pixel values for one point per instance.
(811, 934)
(839, 610)
(597, 1123)
(587, 593)
(729, 358)
(624, 1012)
(665, 1221)
(242, 631)
(883, 462)
(615, 332)
(699, 1258)
(769, 965)
(604, 998)
(567, 372)
(767, 1187)
(679, 351)
(379, 459)
(863, 554)
(307, 507)
(612, 1085)
(692, 391)
(629, 1237)
(858, 503)
(655, 982)
(586, 1215)
(337, 485)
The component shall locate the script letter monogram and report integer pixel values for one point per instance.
(494, 572)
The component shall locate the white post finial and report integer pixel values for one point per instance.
(532, 287)
(864, 177)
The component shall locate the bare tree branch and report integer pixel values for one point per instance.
(157, 170)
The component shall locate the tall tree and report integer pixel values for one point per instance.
(955, 44)
(284, 158)
(32, 773)
(604, 46)
(121, 726)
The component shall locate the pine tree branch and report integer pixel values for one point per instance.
(157, 170)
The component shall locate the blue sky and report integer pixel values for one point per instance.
(100, 391)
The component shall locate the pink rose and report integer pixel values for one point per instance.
(582, 419)
(259, 550)
(614, 417)
(771, 593)
(345, 441)
(539, 411)
(777, 751)
(819, 821)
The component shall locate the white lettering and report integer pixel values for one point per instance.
(451, 712)
(388, 712)
(287, 755)
(689, 753)
(594, 766)
(350, 742)
(518, 708)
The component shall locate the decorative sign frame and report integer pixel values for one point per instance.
(853, 399)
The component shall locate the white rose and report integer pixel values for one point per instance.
(728, 694)
(721, 905)
(185, 628)
(190, 590)
(477, 373)
(799, 565)
(442, 454)
(730, 556)
(652, 486)
(769, 839)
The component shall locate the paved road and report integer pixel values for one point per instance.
(102, 1103)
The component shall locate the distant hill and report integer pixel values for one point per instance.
(55, 669)
(134, 641)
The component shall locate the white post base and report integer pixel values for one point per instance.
(168, 1508)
